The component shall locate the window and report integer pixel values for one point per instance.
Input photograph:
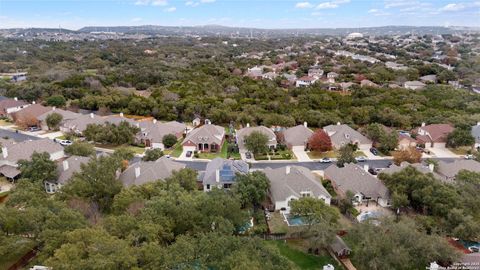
(208, 186)
(306, 194)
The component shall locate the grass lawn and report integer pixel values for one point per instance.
(135, 149)
(359, 154)
(320, 155)
(21, 248)
(277, 223)
(280, 155)
(5, 123)
(462, 150)
(222, 153)
(175, 151)
(293, 250)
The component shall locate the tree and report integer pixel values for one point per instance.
(123, 133)
(410, 155)
(388, 142)
(252, 188)
(185, 178)
(256, 142)
(460, 137)
(374, 132)
(39, 168)
(346, 155)
(56, 100)
(169, 140)
(53, 120)
(320, 141)
(152, 154)
(83, 149)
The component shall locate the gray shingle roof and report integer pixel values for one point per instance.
(67, 115)
(450, 170)
(230, 167)
(24, 150)
(9, 171)
(297, 135)
(156, 131)
(355, 179)
(338, 245)
(476, 133)
(419, 167)
(74, 165)
(206, 134)
(283, 185)
(244, 132)
(150, 171)
(343, 134)
(80, 123)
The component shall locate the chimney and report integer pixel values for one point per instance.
(338, 123)
(121, 114)
(423, 124)
(34, 102)
(65, 165)
(91, 115)
(154, 120)
(217, 176)
(431, 167)
(478, 123)
(137, 172)
(15, 98)
(305, 124)
(287, 170)
(53, 108)
(366, 167)
(4, 152)
(248, 124)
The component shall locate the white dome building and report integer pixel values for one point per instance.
(354, 35)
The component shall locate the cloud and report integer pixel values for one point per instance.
(136, 19)
(373, 10)
(303, 5)
(170, 9)
(399, 3)
(207, 1)
(191, 4)
(453, 7)
(159, 3)
(151, 2)
(327, 5)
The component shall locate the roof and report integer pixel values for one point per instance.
(476, 132)
(338, 245)
(414, 84)
(436, 132)
(244, 132)
(155, 131)
(206, 134)
(74, 165)
(297, 135)
(33, 111)
(344, 134)
(284, 185)
(9, 171)
(23, 150)
(67, 115)
(81, 122)
(419, 167)
(307, 79)
(450, 170)
(227, 169)
(10, 103)
(355, 179)
(405, 137)
(150, 171)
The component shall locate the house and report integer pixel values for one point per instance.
(449, 170)
(367, 83)
(476, 134)
(270, 75)
(80, 123)
(8, 106)
(13, 152)
(206, 138)
(357, 180)
(341, 135)
(14, 77)
(305, 81)
(429, 79)
(66, 116)
(413, 85)
(255, 72)
(291, 183)
(149, 171)
(152, 132)
(220, 173)
(405, 141)
(434, 135)
(297, 136)
(331, 76)
(65, 170)
(315, 72)
(28, 116)
(346, 85)
(246, 131)
(395, 66)
(339, 248)
(425, 169)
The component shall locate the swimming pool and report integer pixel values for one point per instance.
(369, 215)
(470, 245)
(294, 220)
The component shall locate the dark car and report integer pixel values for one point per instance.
(374, 151)
(189, 153)
(372, 171)
(248, 155)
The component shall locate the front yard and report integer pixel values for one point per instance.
(320, 155)
(222, 153)
(135, 149)
(175, 151)
(277, 155)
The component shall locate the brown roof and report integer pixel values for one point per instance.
(306, 78)
(33, 111)
(10, 103)
(437, 132)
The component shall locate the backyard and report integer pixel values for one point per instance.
(22, 247)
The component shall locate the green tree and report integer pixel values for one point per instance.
(252, 188)
(169, 140)
(39, 168)
(152, 154)
(185, 178)
(388, 142)
(53, 120)
(346, 155)
(460, 137)
(83, 149)
(256, 142)
(56, 100)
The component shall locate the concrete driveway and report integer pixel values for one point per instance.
(442, 152)
(183, 156)
(299, 152)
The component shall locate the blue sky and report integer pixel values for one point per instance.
(74, 14)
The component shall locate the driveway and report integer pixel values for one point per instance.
(183, 156)
(51, 135)
(299, 152)
(442, 152)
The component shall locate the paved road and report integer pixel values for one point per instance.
(18, 137)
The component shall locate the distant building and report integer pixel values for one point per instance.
(413, 85)
(354, 35)
(305, 81)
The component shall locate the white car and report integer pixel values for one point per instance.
(361, 159)
(469, 156)
(65, 142)
(326, 160)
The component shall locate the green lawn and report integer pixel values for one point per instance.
(292, 251)
(462, 150)
(175, 151)
(277, 223)
(22, 246)
(222, 153)
(5, 123)
(279, 155)
(320, 155)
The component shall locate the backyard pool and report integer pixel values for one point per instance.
(470, 245)
(294, 220)
(369, 215)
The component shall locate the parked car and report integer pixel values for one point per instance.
(33, 129)
(189, 153)
(248, 155)
(361, 159)
(469, 156)
(326, 160)
(374, 151)
(65, 142)
(372, 171)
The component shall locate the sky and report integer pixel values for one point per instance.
(74, 14)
